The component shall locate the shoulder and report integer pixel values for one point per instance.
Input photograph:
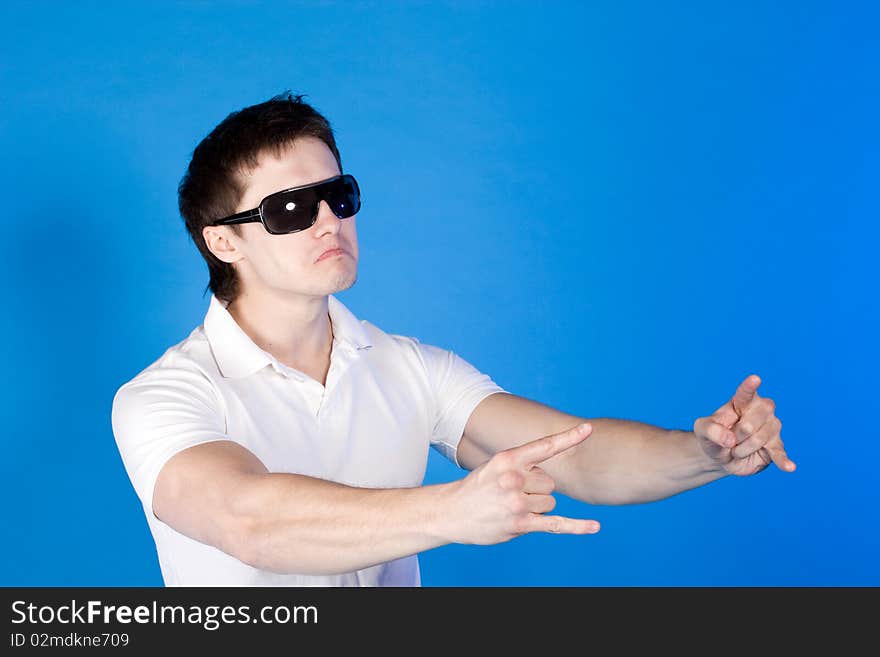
(186, 369)
(395, 345)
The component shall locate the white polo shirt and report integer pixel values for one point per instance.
(387, 399)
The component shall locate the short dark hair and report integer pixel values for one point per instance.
(213, 184)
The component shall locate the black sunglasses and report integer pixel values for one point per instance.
(296, 209)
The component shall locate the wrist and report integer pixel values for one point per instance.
(445, 517)
(707, 463)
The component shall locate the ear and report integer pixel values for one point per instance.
(220, 241)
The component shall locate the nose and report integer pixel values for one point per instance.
(326, 221)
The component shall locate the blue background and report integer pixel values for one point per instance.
(620, 209)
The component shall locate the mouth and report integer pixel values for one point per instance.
(331, 253)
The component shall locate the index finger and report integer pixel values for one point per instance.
(543, 448)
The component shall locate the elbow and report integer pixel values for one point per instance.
(596, 494)
(243, 539)
(583, 494)
(246, 529)
(250, 528)
(579, 484)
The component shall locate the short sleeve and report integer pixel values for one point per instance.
(158, 414)
(457, 388)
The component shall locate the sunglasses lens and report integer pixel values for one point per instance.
(291, 211)
(343, 197)
(288, 212)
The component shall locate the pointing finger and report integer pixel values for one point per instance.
(543, 448)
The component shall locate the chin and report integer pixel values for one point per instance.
(337, 282)
(343, 283)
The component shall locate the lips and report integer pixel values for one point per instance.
(329, 253)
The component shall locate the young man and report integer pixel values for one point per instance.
(284, 441)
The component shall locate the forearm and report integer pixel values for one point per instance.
(292, 523)
(629, 462)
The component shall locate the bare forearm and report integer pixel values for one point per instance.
(299, 524)
(629, 462)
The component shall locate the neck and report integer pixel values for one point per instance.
(294, 328)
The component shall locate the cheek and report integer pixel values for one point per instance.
(350, 234)
(280, 258)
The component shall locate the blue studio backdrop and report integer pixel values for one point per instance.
(620, 209)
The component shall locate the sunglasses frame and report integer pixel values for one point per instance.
(256, 214)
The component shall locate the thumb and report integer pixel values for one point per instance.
(745, 393)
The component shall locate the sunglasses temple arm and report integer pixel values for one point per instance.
(240, 218)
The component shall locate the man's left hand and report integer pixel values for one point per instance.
(743, 435)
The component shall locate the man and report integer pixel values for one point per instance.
(284, 441)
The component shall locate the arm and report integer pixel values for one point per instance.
(219, 493)
(621, 462)
(169, 427)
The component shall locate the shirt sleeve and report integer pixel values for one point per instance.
(457, 388)
(158, 414)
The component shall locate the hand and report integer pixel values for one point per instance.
(743, 435)
(507, 495)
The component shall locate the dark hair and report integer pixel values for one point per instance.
(213, 183)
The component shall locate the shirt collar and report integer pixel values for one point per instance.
(237, 355)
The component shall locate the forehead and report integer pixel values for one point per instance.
(306, 160)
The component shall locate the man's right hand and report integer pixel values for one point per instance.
(508, 495)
